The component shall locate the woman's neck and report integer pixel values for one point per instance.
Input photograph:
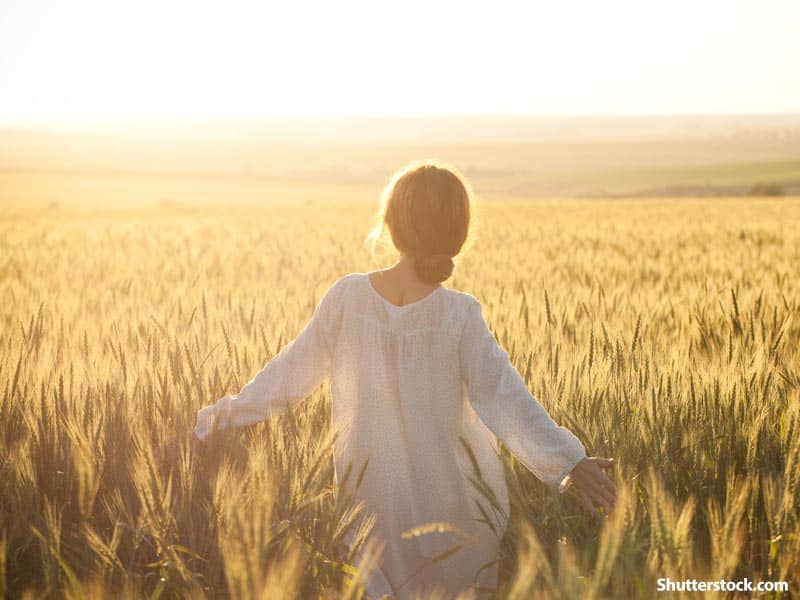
(400, 283)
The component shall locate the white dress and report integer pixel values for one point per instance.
(407, 383)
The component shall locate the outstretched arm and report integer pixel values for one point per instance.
(290, 376)
(499, 395)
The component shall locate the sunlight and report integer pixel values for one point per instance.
(162, 61)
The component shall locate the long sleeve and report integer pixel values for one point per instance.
(499, 395)
(290, 376)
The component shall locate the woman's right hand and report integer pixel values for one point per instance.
(593, 484)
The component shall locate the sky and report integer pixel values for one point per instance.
(121, 60)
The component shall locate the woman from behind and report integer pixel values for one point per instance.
(421, 394)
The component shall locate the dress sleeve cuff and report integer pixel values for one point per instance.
(563, 483)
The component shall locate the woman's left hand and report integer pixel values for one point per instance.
(594, 485)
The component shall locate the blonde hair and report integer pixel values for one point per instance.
(426, 207)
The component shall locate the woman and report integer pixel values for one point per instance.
(422, 391)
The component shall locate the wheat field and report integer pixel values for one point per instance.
(665, 333)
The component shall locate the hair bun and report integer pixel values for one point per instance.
(434, 268)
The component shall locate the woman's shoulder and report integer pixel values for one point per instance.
(347, 279)
(463, 298)
(461, 307)
(350, 281)
(344, 286)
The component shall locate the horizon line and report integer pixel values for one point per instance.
(27, 123)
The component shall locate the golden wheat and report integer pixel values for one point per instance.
(664, 333)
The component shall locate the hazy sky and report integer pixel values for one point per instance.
(113, 59)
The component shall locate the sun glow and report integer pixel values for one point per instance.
(156, 60)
